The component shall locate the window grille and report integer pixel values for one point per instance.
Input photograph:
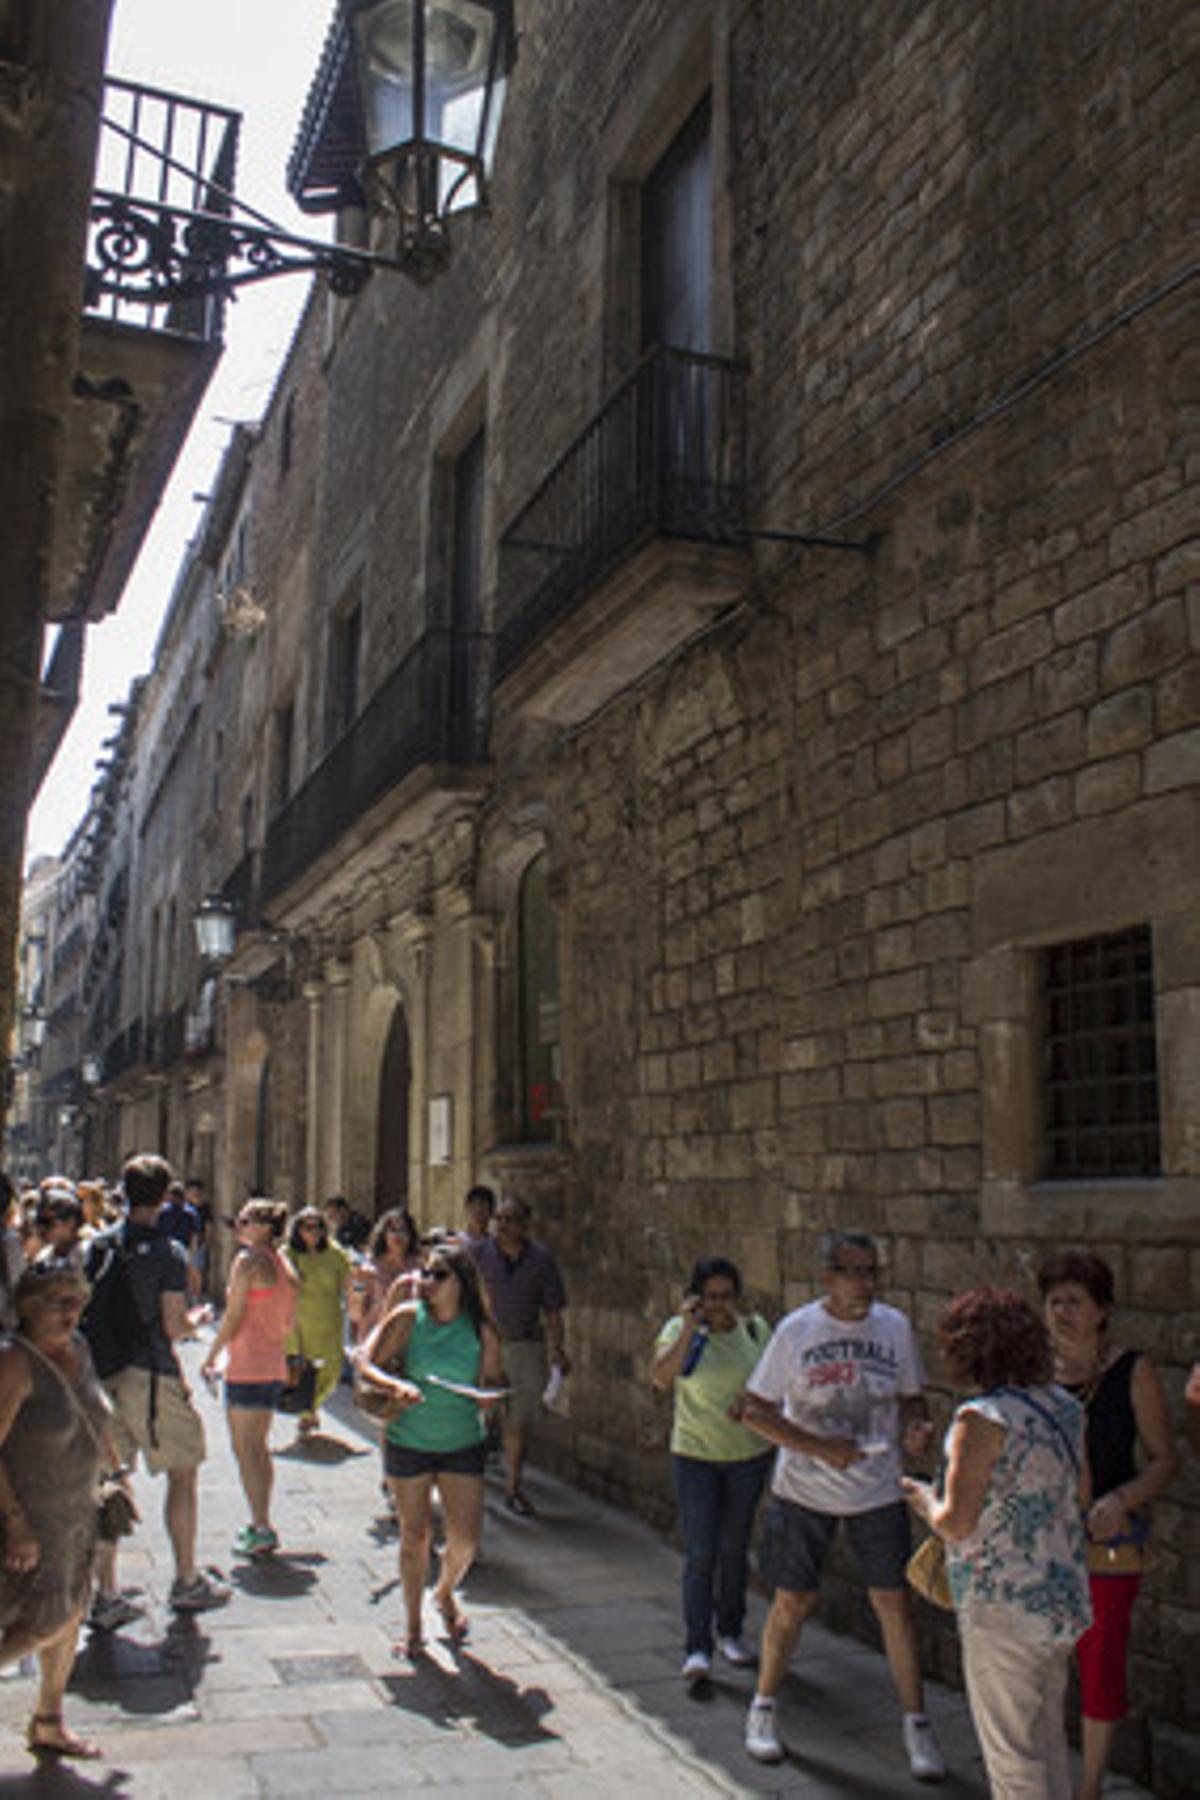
(1100, 1067)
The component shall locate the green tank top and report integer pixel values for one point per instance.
(442, 1421)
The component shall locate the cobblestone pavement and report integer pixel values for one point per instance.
(567, 1687)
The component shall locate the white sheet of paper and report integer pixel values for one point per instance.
(467, 1392)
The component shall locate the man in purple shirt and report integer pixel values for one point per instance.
(526, 1292)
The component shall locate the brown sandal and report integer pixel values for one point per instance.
(458, 1626)
(66, 1743)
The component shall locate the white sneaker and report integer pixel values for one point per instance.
(111, 1611)
(696, 1667)
(762, 1739)
(737, 1653)
(925, 1759)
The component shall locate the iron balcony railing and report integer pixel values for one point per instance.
(430, 710)
(162, 160)
(664, 456)
(241, 891)
(122, 1052)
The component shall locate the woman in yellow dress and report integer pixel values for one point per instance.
(322, 1270)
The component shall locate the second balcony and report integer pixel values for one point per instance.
(633, 542)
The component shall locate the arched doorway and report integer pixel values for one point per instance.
(391, 1146)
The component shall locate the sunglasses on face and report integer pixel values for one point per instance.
(440, 1273)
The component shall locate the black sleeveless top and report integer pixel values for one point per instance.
(1111, 1425)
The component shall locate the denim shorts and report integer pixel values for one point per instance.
(400, 1463)
(796, 1542)
(262, 1394)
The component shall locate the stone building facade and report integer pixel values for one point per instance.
(596, 831)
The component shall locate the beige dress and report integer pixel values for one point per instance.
(49, 1433)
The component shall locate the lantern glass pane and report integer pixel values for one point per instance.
(385, 48)
(458, 59)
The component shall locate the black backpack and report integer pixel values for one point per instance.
(111, 1322)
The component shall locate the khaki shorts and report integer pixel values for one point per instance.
(525, 1373)
(173, 1438)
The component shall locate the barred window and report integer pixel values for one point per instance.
(1100, 1066)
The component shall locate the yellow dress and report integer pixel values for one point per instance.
(320, 1312)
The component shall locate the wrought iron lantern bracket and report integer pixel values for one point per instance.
(158, 255)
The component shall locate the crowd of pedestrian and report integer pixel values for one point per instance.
(455, 1338)
(1046, 1474)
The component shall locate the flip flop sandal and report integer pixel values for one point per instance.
(68, 1745)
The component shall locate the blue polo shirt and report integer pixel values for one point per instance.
(521, 1288)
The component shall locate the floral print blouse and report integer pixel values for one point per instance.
(1025, 1560)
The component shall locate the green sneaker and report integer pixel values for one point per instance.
(256, 1540)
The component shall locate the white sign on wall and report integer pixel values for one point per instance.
(441, 1130)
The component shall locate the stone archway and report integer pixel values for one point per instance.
(392, 1116)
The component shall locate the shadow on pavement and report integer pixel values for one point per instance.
(319, 1448)
(283, 1575)
(59, 1781)
(143, 1678)
(472, 1693)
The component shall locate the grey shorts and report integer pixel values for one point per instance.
(525, 1372)
(796, 1541)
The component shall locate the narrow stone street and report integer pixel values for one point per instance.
(567, 1686)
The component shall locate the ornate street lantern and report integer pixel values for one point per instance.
(216, 929)
(430, 77)
(35, 1023)
(402, 118)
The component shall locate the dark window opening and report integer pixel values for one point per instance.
(346, 651)
(287, 430)
(1100, 1062)
(677, 241)
(284, 752)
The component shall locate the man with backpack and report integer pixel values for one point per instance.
(136, 1314)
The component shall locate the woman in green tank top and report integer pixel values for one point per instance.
(424, 1353)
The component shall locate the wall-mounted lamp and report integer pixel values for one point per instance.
(35, 1025)
(402, 117)
(92, 1071)
(216, 928)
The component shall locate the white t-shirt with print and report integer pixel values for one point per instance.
(841, 1380)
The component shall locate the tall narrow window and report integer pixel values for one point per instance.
(466, 587)
(677, 408)
(282, 754)
(541, 1099)
(345, 654)
(677, 240)
(1100, 1063)
(287, 431)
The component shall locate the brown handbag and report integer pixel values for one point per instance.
(379, 1403)
(927, 1573)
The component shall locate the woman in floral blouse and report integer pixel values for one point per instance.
(1010, 1515)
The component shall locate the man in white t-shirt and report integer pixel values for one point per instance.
(838, 1389)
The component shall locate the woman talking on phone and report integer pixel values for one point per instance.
(705, 1355)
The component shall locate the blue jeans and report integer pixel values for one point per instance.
(717, 1503)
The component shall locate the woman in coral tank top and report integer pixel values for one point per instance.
(260, 1307)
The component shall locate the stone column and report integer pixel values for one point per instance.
(332, 1094)
(314, 994)
(480, 1128)
(416, 933)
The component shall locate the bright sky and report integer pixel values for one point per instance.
(258, 56)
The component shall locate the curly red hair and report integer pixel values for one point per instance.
(994, 1338)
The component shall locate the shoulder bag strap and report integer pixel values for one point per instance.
(72, 1396)
(1028, 1400)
